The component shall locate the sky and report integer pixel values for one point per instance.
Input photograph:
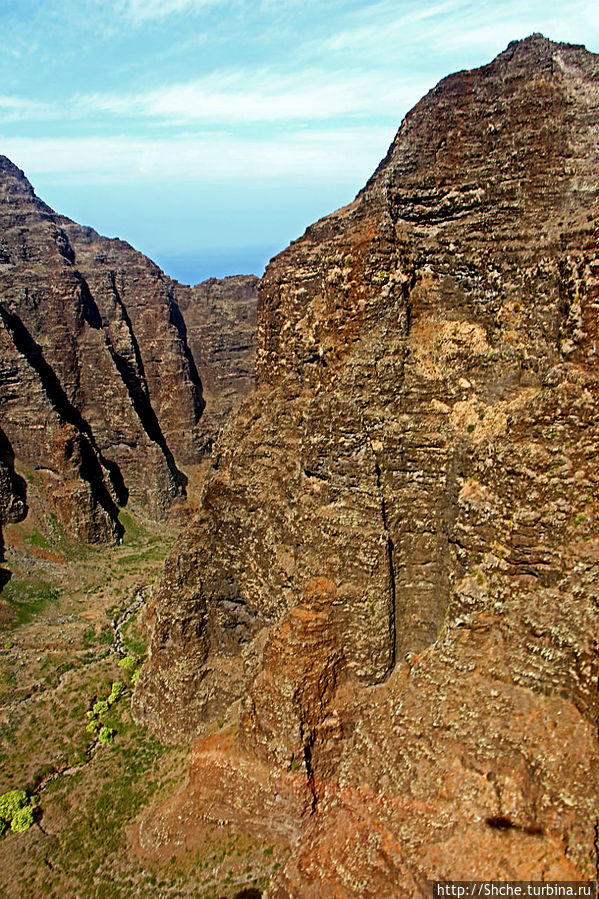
(211, 133)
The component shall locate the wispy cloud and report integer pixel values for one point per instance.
(342, 154)
(244, 97)
(385, 24)
(140, 11)
(16, 109)
(386, 29)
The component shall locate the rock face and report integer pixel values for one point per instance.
(99, 391)
(220, 317)
(12, 490)
(394, 570)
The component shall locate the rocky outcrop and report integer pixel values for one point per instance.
(12, 490)
(393, 575)
(99, 391)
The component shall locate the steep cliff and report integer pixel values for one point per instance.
(220, 317)
(391, 587)
(99, 391)
(12, 491)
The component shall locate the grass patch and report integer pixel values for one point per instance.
(135, 532)
(134, 638)
(28, 597)
(36, 538)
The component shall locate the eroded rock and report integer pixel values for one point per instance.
(406, 510)
(100, 393)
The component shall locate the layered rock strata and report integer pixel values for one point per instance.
(393, 576)
(99, 391)
(220, 317)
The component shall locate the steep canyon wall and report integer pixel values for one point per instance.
(390, 590)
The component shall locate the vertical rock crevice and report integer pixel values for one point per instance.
(94, 468)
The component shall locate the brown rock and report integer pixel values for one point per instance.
(220, 318)
(395, 565)
(99, 390)
(12, 490)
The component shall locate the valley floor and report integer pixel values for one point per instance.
(68, 616)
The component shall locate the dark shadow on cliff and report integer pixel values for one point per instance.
(134, 379)
(18, 509)
(13, 505)
(179, 322)
(94, 460)
(5, 574)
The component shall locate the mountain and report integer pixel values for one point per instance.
(101, 400)
(382, 623)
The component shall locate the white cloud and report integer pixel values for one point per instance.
(140, 11)
(339, 154)
(230, 98)
(436, 31)
(15, 109)
(384, 26)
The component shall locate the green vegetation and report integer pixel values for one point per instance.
(134, 530)
(134, 638)
(37, 539)
(100, 707)
(129, 663)
(106, 735)
(28, 597)
(95, 725)
(16, 811)
(69, 739)
(22, 820)
(115, 691)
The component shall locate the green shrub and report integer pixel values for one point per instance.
(100, 707)
(128, 663)
(15, 811)
(106, 735)
(116, 690)
(93, 727)
(135, 676)
(22, 819)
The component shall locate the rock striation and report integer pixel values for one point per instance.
(100, 394)
(391, 586)
(220, 318)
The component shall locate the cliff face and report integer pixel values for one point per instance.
(220, 317)
(394, 571)
(99, 390)
(12, 491)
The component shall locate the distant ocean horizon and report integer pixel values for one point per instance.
(195, 266)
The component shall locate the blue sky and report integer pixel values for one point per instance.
(210, 133)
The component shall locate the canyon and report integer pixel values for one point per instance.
(377, 628)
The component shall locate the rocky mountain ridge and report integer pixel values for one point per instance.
(101, 400)
(388, 600)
